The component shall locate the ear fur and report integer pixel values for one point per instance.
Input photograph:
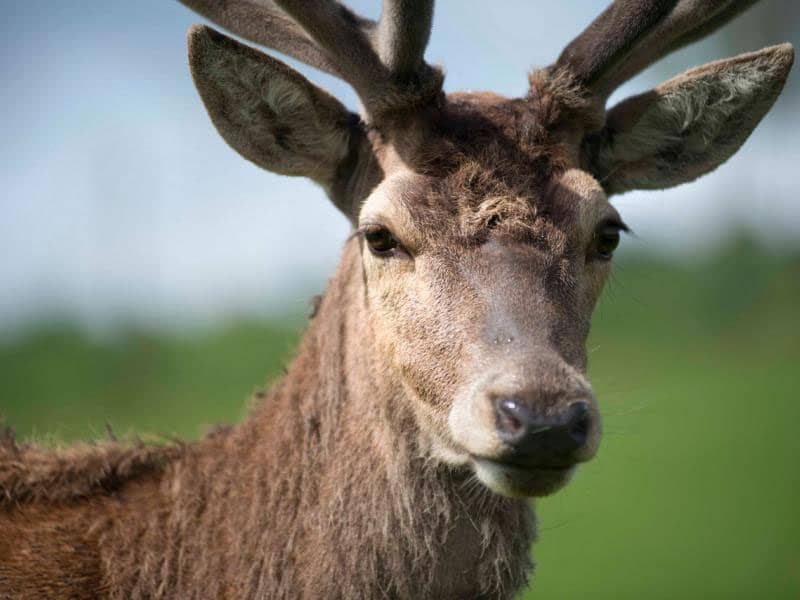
(689, 125)
(272, 115)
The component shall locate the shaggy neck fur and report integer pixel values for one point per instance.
(323, 492)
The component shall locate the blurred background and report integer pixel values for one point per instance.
(151, 278)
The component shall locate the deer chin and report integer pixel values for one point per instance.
(516, 481)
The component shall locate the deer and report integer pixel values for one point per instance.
(441, 381)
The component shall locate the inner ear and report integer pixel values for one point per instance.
(274, 117)
(689, 125)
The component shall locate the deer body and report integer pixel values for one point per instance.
(443, 379)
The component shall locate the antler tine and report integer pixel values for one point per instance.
(337, 32)
(689, 21)
(610, 38)
(400, 81)
(630, 35)
(403, 32)
(263, 23)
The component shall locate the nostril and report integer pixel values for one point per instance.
(511, 419)
(530, 435)
(579, 422)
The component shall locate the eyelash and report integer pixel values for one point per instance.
(380, 240)
(606, 239)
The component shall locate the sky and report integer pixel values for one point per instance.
(121, 203)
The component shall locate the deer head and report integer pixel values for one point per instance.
(484, 225)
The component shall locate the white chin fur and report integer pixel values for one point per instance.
(493, 477)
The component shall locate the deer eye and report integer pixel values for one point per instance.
(607, 239)
(380, 240)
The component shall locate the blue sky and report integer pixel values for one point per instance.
(120, 201)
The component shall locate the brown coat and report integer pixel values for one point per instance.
(320, 493)
(443, 378)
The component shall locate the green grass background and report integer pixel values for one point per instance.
(695, 492)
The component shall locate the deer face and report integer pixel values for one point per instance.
(485, 228)
(480, 286)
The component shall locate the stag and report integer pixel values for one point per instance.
(442, 380)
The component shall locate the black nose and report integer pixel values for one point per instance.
(535, 438)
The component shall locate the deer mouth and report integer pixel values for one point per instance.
(519, 480)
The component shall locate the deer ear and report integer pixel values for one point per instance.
(689, 125)
(274, 117)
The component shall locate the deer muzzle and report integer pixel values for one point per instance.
(525, 430)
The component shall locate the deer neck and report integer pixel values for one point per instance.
(354, 471)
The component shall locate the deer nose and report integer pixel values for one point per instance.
(551, 440)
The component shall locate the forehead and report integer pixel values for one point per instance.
(487, 160)
(468, 203)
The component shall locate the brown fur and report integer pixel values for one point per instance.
(327, 489)
(321, 493)
(375, 467)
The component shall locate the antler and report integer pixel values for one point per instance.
(403, 33)
(383, 61)
(630, 35)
